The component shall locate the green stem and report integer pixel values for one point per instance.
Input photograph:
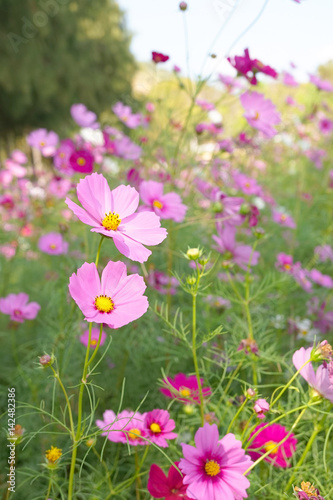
(289, 383)
(106, 469)
(194, 353)
(56, 374)
(97, 345)
(99, 250)
(240, 409)
(49, 489)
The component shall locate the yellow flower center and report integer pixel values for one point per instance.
(287, 267)
(17, 312)
(272, 447)
(212, 468)
(62, 155)
(53, 246)
(104, 303)
(53, 454)
(93, 342)
(111, 221)
(42, 143)
(157, 204)
(155, 428)
(283, 217)
(185, 392)
(134, 433)
(256, 116)
(81, 161)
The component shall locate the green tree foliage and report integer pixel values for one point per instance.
(55, 53)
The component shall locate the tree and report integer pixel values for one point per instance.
(55, 53)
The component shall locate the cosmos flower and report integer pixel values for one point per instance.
(159, 426)
(53, 244)
(267, 439)
(321, 84)
(166, 206)
(261, 406)
(226, 244)
(170, 487)
(284, 262)
(319, 380)
(249, 68)
(184, 388)
(59, 187)
(307, 491)
(283, 219)
(116, 299)
(82, 161)
(126, 427)
(157, 57)
(16, 305)
(161, 282)
(125, 114)
(111, 213)
(84, 338)
(83, 117)
(260, 113)
(320, 279)
(43, 140)
(214, 468)
(62, 156)
(289, 80)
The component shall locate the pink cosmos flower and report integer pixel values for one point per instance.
(176, 69)
(15, 168)
(116, 299)
(301, 277)
(83, 117)
(82, 161)
(325, 126)
(125, 148)
(324, 253)
(161, 282)
(124, 114)
(184, 388)
(19, 157)
(324, 319)
(321, 279)
(126, 427)
(59, 187)
(248, 67)
(159, 426)
(169, 487)
(289, 80)
(53, 244)
(84, 338)
(166, 206)
(43, 140)
(307, 491)
(284, 262)
(316, 156)
(214, 468)
(283, 219)
(267, 439)
(205, 105)
(321, 84)
(229, 81)
(260, 113)
(242, 255)
(261, 406)
(320, 380)
(246, 184)
(62, 156)
(111, 213)
(157, 57)
(16, 305)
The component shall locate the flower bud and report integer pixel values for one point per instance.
(193, 253)
(251, 393)
(183, 6)
(261, 407)
(46, 360)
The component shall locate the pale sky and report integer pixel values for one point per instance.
(286, 31)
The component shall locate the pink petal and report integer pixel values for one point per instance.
(124, 200)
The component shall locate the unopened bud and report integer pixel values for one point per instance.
(193, 253)
(46, 360)
(183, 6)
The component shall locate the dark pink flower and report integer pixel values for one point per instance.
(116, 299)
(307, 491)
(184, 388)
(284, 262)
(325, 126)
(16, 305)
(260, 113)
(166, 206)
(214, 468)
(268, 439)
(169, 487)
(112, 213)
(249, 68)
(82, 161)
(157, 57)
(159, 426)
(261, 406)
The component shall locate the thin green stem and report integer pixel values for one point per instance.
(194, 353)
(289, 383)
(99, 251)
(56, 374)
(49, 489)
(97, 345)
(240, 409)
(106, 469)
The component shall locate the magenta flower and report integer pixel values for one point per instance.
(267, 440)
(261, 406)
(84, 338)
(284, 262)
(242, 255)
(260, 113)
(124, 114)
(111, 213)
(166, 206)
(246, 184)
(126, 427)
(53, 244)
(184, 388)
(320, 380)
(62, 156)
(82, 161)
(83, 117)
(214, 468)
(16, 305)
(169, 487)
(283, 219)
(158, 57)
(307, 491)
(116, 299)
(43, 140)
(248, 67)
(159, 426)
